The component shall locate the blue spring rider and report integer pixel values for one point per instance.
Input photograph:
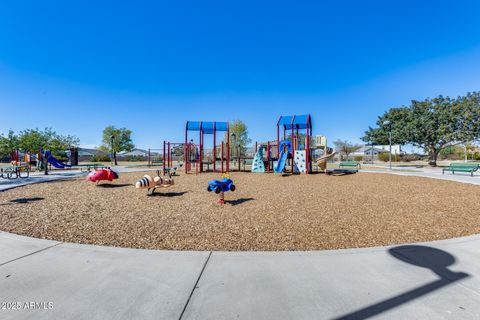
(220, 187)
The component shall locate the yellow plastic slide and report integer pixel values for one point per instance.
(322, 161)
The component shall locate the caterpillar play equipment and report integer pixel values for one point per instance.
(102, 175)
(151, 184)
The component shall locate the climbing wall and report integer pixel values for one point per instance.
(257, 164)
(300, 159)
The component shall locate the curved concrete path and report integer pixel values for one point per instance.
(39, 177)
(437, 280)
(42, 279)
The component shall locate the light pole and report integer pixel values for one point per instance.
(371, 154)
(388, 124)
(112, 138)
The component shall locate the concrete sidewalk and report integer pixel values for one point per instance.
(438, 280)
(432, 173)
(39, 177)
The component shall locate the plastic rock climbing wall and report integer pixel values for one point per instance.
(257, 164)
(300, 161)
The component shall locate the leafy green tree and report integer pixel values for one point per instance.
(346, 147)
(301, 137)
(178, 150)
(431, 124)
(32, 140)
(122, 141)
(8, 143)
(238, 136)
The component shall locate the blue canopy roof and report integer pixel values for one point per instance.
(296, 122)
(207, 126)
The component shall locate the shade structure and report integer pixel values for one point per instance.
(303, 121)
(207, 127)
(292, 125)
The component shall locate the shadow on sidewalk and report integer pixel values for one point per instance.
(436, 260)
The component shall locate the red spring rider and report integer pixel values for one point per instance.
(102, 175)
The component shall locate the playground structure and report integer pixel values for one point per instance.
(55, 162)
(292, 147)
(169, 153)
(194, 153)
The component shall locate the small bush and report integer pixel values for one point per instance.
(410, 157)
(358, 158)
(101, 158)
(385, 156)
(134, 158)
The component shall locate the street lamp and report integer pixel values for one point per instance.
(371, 153)
(112, 138)
(388, 124)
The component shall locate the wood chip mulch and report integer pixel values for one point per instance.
(266, 212)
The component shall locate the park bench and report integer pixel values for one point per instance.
(461, 167)
(156, 162)
(173, 170)
(349, 164)
(14, 172)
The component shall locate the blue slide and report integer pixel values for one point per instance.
(282, 161)
(55, 162)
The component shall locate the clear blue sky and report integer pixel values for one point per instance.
(79, 66)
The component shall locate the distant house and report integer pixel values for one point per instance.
(368, 151)
(86, 154)
(137, 153)
(396, 148)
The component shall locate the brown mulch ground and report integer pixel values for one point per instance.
(266, 212)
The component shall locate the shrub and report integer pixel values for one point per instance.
(101, 158)
(134, 158)
(410, 157)
(358, 158)
(385, 156)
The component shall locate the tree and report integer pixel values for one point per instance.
(122, 141)
(346, 147)
(33, 140)
(300, 138)
(239, 135)
(8, 143)
(431, 124)
(178, 151)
